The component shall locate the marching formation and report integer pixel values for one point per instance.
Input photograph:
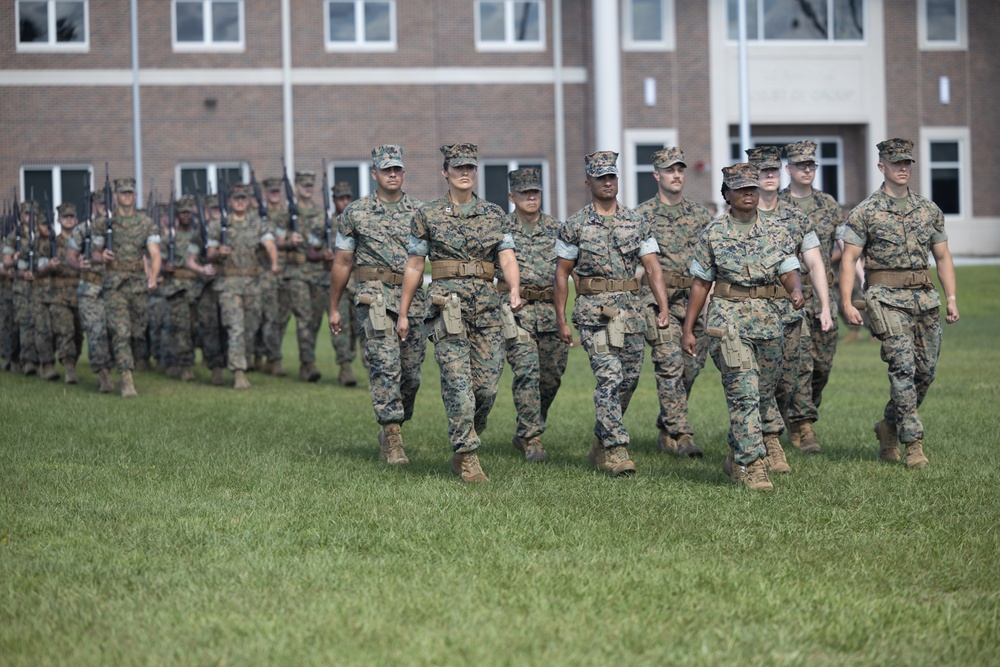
(750, 288)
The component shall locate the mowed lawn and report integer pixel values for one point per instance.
(202, 526)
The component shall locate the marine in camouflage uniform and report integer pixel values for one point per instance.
(159, 345)
(605, 242)
(24, 354)
(233, 247)
(181, 286)
(750, 260)
(535, 352)
(210, 332)
(895, 230)
(296, 293)
(677, 223)
(58, 334)
(126, 283)
(85, 252)
(8, 331)
(466, 238)
(267, 340)
(826, 220)
(373, 233)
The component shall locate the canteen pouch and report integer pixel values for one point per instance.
(448, 324)
(512, 333)
(616, 326)
(378, 321)
(735, 353)
(655, 335)
(600, 341)
(883, 321)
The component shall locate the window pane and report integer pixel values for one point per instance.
(194, 181)
(734, 19)
(795, 19)
(225, 22)
(342, 22)
(848, 19)
(828, 149)
(377, 22)
(944, 189)
(72, 182)
(38, 185)
(491, 22)
(34, 22)
(227, 176)
(645, 185)
(341, 174)
(190, 24)
(647, 20)
(69, 22)
(942, 21)
(495, 184)
(944, 151)
(644, 152)
(526, 22)
(830, 180)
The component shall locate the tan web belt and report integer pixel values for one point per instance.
(184, 274)
(383, 273)
(127, 267)
(730, 292)
(529, 292)
(295, 257)
(64, 282)
(901, 278)
(231, 272)
(677, 280)
(91, 276)
(598, 284)
(453, 268)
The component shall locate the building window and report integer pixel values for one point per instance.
(946, 176)
(52, 25)
(215, 25)
(829, 161)
(205, 179)
(649, 25)
(510, 25)
(493, 184)
(636, 183)
(53, 185)
(800, 20)
(353, 25)
(357, 173)
(941, 24)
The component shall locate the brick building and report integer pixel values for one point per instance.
(226, 84)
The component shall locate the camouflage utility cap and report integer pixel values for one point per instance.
(522, 180)
(601, 163)
(458, 154)
(342, 189)
(273, 184)
(28, 204)
(305, 178)
(741, 175)
(764, 157)
(801, 151)
(387, 155)
(668, 157)
(896, 150)
(212, 201)
(239, 190)
(124, 185)
(67, 208)
(185, 205)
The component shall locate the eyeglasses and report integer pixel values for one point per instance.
(806, 166)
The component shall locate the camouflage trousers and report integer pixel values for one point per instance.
(675, 373)
(267, 339)
(210, 328)
(182, 324)
(158, 338)
(617, 373)
(95, 323)
(294, 297)
(749, 396)
(816, 350)
(912, 359)
(788, 376)
(470, 377)
(10, 345)
(393, 368)
(538, 367)
(240, 316)
(128, 319)
(345, 343)
(57, 333)
(24, 321)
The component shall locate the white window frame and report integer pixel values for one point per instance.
(360, 42)
(509, 43)
(758, 39)
(963, 138)
(56, 170)
(961, 41)
(207, 44)
(364, 168)
(821, 161)
(52, 46)
(668, 39)
(212, 174)
(511, 165)
(628, 165)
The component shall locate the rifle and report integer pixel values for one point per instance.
(17, 224)
(150, 198)
(171, 227)
(293, 209)
(261, 206)
(88, 239)
(327, 225)
(51, 214)
(31, 232)
(109, 233)
(223, 226)
(203, 224)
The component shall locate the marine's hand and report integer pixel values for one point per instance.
(688, 343)
(825, 321)
(402, 326)
(852, 315)
(952, 315)
(565, 334)
(334, 321)
(797, 299)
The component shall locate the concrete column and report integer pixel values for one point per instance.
(607, 76)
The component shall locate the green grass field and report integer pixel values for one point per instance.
(203, 526)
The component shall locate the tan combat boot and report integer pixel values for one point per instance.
(309, 373)
(240, 381)
(687, 448)
(277, 370)
(915, 455)
(753, 476)
(807, 438)
(888, 441)
(775, 460)
(466, 465)
(187, 374)
(29, 368)
(257, 365)
(794, 437)
(611, 459)
(70, 377)
(391, 441)
(346, 377)
(666, 443)
(105, 384)
(267, 367)
(218, 380)
(48, 372)
(142, 365)
(128, 387)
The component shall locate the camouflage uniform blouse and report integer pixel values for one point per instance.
(50, 290)
(788, 216)
(536, 260)
(243, 238)
(132, 236)
(897, 238)
(183, 240)
(77, 241)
